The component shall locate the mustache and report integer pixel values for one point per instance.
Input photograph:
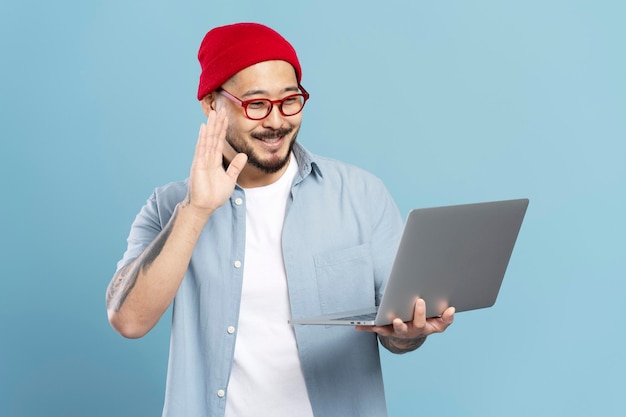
(272, 134)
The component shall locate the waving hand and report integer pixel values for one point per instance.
(209, 184)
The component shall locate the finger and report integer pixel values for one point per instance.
(365, 328)
(217, 124)
(440, 324)
(400, 328)
(237, 165)
(448, 316)
(419, 314)
(198, 157)
(380, 330)
(219, 127)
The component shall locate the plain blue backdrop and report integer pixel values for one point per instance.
(447, 101)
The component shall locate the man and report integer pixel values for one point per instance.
(262, 231)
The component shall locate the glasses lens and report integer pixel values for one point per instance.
(258, 109)
(291, 105)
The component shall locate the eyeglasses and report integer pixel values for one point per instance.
(260, 108)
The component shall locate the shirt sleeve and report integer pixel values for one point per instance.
(152, 218)
(143, 231)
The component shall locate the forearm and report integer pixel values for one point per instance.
(141, 292)
(399, 345)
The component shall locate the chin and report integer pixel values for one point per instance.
(275, 162)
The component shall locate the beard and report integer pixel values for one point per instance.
(275, 162)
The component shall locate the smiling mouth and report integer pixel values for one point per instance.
(271, 140)
(272, 137)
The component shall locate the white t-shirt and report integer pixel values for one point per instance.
(266, 377)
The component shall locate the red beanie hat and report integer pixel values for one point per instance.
(226, 50)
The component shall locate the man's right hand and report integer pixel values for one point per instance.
(209, 184)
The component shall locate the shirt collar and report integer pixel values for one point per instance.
(306, 161)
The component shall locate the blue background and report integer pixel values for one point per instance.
(447, 101)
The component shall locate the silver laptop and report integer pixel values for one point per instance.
(449, 256)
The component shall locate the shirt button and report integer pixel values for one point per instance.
(238, 201)
(237, 264)
(221, 393)
(231, 329)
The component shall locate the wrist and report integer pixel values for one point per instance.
(193, 213)
(401, 345)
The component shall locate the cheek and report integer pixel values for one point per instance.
(296, 120)
(241, 125)
(228, 152)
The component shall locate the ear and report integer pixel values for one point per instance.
(208, 103)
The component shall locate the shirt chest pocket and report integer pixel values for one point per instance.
(345, 279)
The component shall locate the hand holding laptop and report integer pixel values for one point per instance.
(419, 327)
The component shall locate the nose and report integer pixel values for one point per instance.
(274, 120)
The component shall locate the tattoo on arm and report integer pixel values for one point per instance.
(186, 201)
(397, 345)
(121, 285)
(125, 279)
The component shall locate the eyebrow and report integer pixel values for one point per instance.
(265, 92)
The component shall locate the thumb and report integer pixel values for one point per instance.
(236, 166)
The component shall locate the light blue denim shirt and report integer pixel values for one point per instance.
(340, 234)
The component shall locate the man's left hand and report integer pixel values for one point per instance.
(416, 330)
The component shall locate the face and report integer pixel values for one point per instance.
(267, 142)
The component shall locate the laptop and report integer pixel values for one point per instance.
(449, 256)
